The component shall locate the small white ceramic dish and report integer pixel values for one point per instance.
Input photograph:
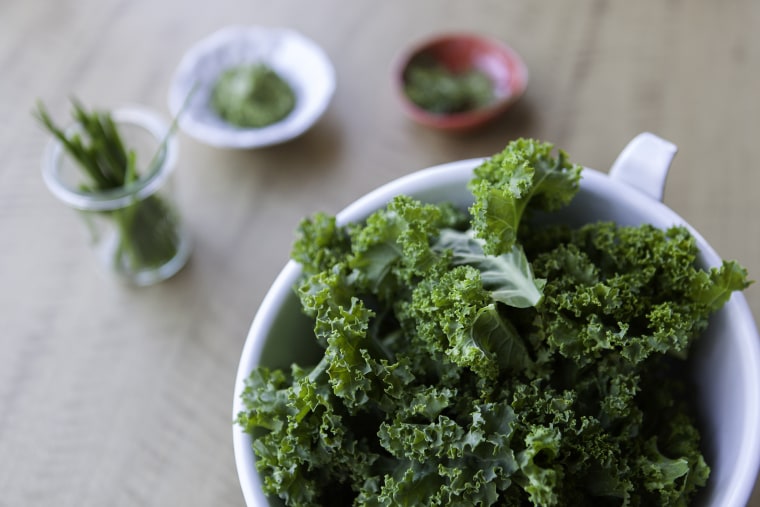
(297, 59)
(727, 360)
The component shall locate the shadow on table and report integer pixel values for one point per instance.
(519, 121)
(308, 156)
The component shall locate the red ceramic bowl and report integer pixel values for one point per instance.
(462, 52)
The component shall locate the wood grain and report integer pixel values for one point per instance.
(123, 397)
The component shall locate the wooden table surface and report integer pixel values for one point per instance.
(117, 396)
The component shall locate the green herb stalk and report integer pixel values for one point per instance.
(148, 235)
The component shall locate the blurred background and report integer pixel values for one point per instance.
(117, 396)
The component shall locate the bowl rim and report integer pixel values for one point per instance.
(193, 79)
(458, 173)
(466, 119)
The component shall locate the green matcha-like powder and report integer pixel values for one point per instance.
(252, 95)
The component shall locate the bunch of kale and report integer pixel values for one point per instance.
(473, 359)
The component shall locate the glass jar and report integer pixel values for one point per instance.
(136, 230)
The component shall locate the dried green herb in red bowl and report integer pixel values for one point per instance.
(459, 81)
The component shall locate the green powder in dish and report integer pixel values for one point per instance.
(252, 95)
(437, 89)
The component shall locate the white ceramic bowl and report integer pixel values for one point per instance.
(297, 59)
(727, 360)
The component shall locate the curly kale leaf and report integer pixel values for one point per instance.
(356, 360)
(320, 244)
(713, 289)
(393, 246)
(633, 290)
(310, 442)
(447, 462)
(452, 313)
(524, 174)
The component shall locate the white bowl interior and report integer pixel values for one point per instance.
(297, 59)
(727, 361)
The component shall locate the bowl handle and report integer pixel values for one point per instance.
(644, 163)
